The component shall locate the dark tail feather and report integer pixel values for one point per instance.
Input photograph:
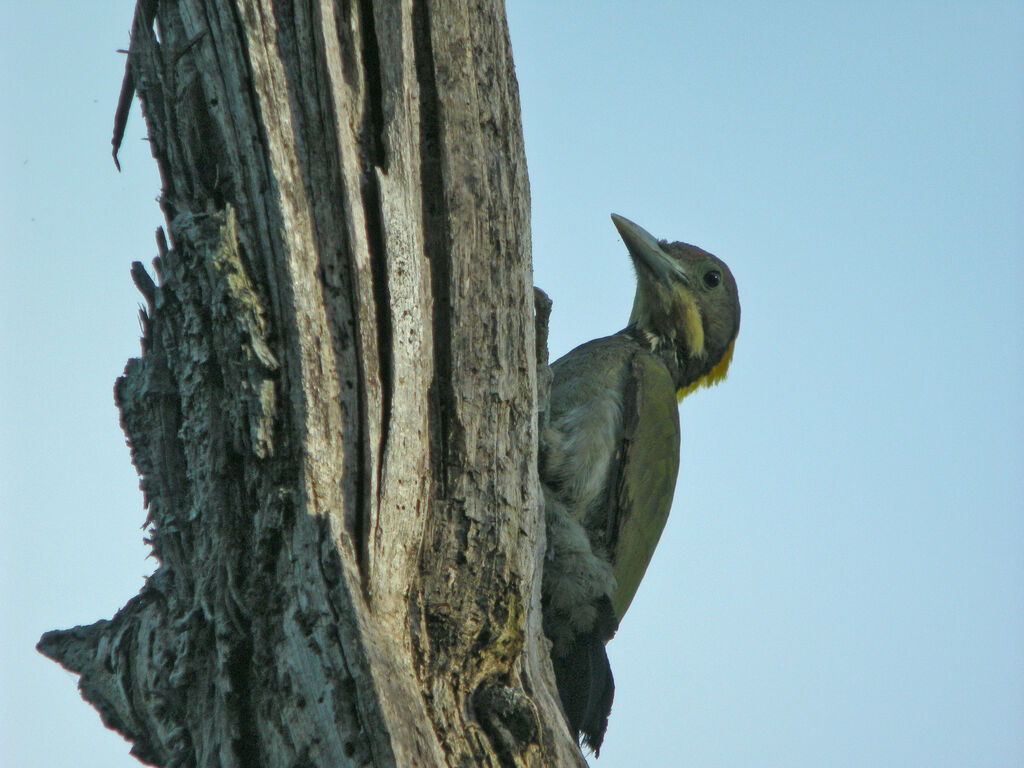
(585, 683)
(602, 691)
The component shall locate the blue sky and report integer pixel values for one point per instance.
(841, 582)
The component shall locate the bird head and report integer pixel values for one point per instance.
(686, 306)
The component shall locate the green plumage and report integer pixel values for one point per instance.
(615, 386)
(610, 456)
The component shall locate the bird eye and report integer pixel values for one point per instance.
(712, 278)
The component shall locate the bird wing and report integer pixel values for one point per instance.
(648, 460)
(611, 451)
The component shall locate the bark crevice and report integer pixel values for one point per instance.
(436, 245)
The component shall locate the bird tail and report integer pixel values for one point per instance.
(579, 620)
(585, 683)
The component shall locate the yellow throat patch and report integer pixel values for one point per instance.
(712, 377)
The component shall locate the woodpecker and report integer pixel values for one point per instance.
(609, 455)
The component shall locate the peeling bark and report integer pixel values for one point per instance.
(334, 415)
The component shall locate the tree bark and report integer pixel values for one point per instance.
(334, 415)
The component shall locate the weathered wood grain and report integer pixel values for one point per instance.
(334, 416)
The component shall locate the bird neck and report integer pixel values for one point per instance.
(688, 371)
(715, 373)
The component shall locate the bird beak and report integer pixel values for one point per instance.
(645, 250)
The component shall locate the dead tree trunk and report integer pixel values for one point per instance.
(334, 415)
